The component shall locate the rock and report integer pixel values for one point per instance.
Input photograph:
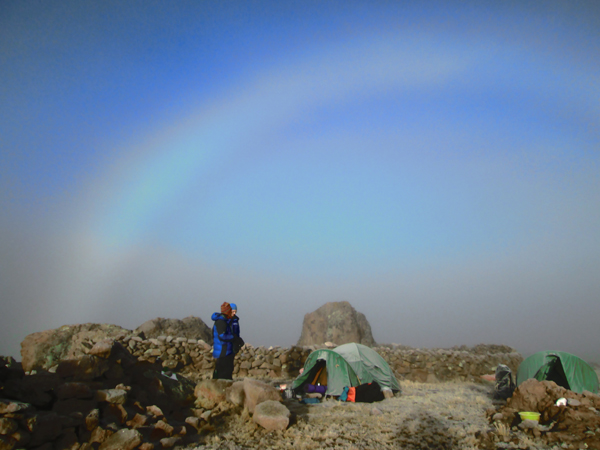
(8, 426)
(85, 368)
(534, 395)
(9, 406)
(160, 430)
(375, 411)
(92, 419)
(209, 393)
(170, 442)
(44, 427)
(34, 389)
(102, 349)
(73, 390)
(154, 410)
(257, 392)
(574, 422)
(271, 415)
(8, 443)
(172, 365)
(74, 404)
(190, 328)
(100, 435)
(193, 421)
(67, 440)
(336, 322)
(144, 446)
(118, 396)
(168, 394)
(45, 349)
(9, 368)
(21, 437)
(235, 393)
(123, 439)
(137, 421)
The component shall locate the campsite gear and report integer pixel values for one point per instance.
(310, 388)
(339, 372)
(368, 365)
(287, 393)
(368, 393)
(561, 402)
(314, 395)
(529, 415)
(347, 365)
(238, 343)
(387, 393)
(504, 385)
(565, 369)
(344, 395)
(310, 400)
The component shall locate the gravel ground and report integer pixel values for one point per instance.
(425, 416)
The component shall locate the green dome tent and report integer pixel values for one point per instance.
(565, 369)
(347, 365)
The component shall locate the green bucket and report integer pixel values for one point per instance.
(529, 415)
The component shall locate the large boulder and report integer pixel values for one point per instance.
(191, 327)
(45, 349)
(256, 392)
(336, 322)
(272, 415)
(209, 393)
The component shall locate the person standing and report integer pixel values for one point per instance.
(235, 320)
(238, 342)
(223, 338)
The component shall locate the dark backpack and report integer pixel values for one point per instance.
(238, 343)
(504, 385)
(368, 393)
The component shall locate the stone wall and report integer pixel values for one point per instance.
(193, 358)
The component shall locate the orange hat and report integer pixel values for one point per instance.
(226, 309)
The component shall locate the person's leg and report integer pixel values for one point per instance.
(228, 362)
(224, 367)
(220, 369)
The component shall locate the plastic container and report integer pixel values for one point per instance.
(529, 415)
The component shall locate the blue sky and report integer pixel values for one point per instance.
(436, 165)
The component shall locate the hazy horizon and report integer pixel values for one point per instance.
(436, 165)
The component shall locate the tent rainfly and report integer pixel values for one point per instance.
(347, 365)
(565, 369)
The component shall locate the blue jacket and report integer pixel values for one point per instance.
(235, 325)
(222, 336)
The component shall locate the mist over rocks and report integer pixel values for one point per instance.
(191, 327)
(336, 322)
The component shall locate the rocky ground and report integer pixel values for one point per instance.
(90, 404)
(108, 398)
(452, 415)
(424, 416)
